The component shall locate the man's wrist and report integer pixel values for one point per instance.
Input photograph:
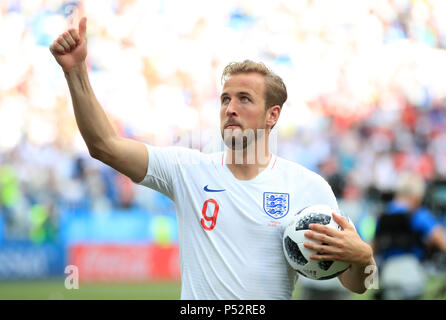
(74, 70)
(367, 257)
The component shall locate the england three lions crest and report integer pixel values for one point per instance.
(275, 204)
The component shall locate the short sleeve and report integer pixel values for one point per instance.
(164, 167)
(323, 193)
(424, 222)
(160, 170)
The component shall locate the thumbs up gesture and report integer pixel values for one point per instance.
(70, 48)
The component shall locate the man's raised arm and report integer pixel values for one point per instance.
(126, 156)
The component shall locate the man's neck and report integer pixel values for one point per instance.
(245, 165)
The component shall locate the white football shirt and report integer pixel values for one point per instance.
(229, 230)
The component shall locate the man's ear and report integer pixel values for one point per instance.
(272, 115)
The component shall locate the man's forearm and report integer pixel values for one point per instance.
(91, 119)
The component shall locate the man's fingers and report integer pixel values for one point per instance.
(61, 41)
(321, 249)
(74, 34)
(323, 238)
(324, 257)
(83, 28)
(69, 39)
(341, 221)
(57, 48)
(323, 229)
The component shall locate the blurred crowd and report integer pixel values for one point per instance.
(366, 83)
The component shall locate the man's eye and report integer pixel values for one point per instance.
(244, 99)
(225, 100)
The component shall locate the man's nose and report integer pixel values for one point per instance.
(231, 110)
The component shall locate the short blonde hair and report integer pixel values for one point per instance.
(275, 89)
(410, 184)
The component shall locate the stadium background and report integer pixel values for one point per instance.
(367, 99)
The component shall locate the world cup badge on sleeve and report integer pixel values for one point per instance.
(275, 204)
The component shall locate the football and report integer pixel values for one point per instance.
(293, 243)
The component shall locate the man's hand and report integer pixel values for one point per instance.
(70, 48)
(124, 155)
(342, 245)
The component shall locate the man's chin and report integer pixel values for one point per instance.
(238, 139)
(236, 142)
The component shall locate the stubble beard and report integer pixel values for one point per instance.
(247, 143)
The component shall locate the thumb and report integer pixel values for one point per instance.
(83, 28)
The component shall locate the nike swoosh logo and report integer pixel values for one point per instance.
(212, 190)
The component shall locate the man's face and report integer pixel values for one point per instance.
(242, 108)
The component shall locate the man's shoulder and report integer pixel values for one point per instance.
(311, 186)
(297, 170)
(184, 155)
(424, 216)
